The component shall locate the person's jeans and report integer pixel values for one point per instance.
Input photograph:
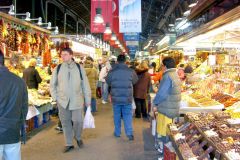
(10, 151)
(126, 112)
(105, 91)
(93, 105)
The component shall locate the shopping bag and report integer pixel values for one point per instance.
(88, 119)
(154, 126)
(133, 104)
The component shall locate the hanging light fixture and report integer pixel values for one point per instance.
(186, 8)
(11, 9)
(98, 17)
(171, 21)
(56, 31)
(117, 42)
(108, 29)
(192, 3)
(114, 37)
(178, 14)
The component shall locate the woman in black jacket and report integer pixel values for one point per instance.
(31, 75)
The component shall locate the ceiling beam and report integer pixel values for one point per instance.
(168, 13)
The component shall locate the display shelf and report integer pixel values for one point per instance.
(180, 157)
(216, 151)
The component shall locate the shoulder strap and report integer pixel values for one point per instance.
(58, 68)
(79, 68)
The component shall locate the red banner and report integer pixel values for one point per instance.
(107, 37)
(112, 42)
(105, 8)
(115, 12)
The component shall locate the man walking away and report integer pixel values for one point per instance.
(13, 111)
(121, 80)
(70, 88)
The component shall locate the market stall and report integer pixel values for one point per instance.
(22, 41)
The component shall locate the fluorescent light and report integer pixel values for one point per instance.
(163, 41)
(148, 44)
(186, 25)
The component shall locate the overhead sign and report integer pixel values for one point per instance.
(189, 51)
(130, 19)
(132, 43)
(131, 36)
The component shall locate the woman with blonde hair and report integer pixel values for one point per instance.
(92, 75)
(141, 89)
(31, 75)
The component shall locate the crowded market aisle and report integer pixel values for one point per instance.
(99, 143)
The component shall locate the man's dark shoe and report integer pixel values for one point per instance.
(68, 148)
(80, 143)
(131, 138)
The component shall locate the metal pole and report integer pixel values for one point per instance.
(77, 28)
(65, 22)
(15, 8)
(33, 8)
(46, 11)
(55, 16)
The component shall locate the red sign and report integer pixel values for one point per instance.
(104, 7)
(107, 37)
(115, 12)
(112, 42)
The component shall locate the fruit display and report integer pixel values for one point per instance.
(198, 100)
(225, 99)
(34, 98)
(206, 135)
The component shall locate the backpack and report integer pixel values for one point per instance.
(78, 65)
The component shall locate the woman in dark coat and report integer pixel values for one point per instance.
(141, 89)
(31, 75)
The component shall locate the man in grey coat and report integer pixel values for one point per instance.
(70, 88)
(121, 80)
(13, 112)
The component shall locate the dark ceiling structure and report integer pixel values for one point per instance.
(78, 11)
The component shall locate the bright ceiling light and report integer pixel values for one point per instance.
(113, 38)
(98, 17)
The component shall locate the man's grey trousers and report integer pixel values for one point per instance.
(72, 124)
